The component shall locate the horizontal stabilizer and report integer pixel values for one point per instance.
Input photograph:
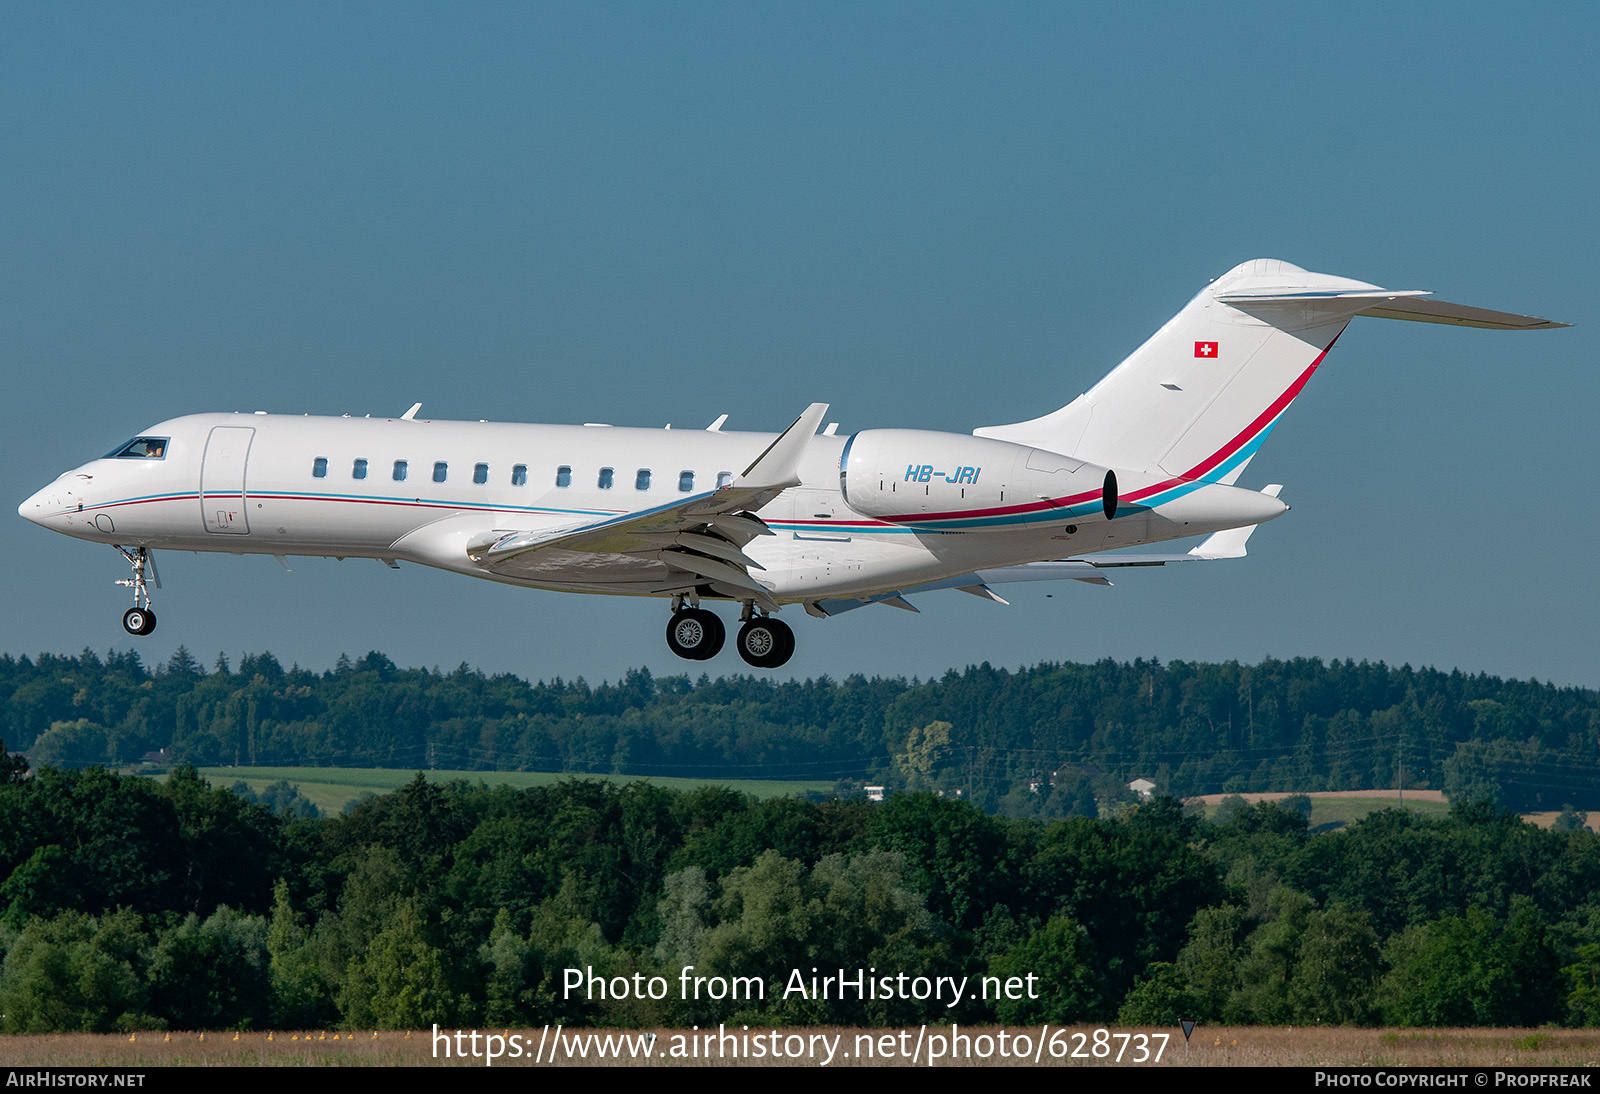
(1396, 304)
(1459, 315)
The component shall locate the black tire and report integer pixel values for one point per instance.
(786, 633)
(719, 634)
(695, 634)
(766, 643)
(139, 621)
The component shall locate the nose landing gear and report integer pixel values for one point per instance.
(139, 619)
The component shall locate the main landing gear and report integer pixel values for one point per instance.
(695, 633)
(765, 642)
(139, 619)
(698, 635)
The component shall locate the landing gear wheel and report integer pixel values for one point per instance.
(140, 621)
(766, 643)
(695, 634)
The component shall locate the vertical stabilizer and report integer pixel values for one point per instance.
(1199, 397)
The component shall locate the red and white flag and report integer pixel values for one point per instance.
(1205, 349)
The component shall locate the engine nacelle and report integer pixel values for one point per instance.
(906, 475)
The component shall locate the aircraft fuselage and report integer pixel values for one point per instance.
(418, 491)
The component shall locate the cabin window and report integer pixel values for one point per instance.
(563, 475)
(686, 482)
(440, 471)
(319, 467)
(641, 481)
(359, 470)
(724, 479)
(399, 470)
(480, 473)
(606, 477)
(519, 475)
(141, 448)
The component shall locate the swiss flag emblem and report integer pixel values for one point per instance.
(1205, 349)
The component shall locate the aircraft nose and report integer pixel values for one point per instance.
(60, 497)
(39, 505)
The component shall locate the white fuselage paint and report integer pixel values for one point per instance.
(245, 484)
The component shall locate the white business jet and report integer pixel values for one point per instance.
(1149, 454)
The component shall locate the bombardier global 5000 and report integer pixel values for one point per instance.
(1149, 454)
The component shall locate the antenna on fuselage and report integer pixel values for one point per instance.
(411, 415)
(716, 426)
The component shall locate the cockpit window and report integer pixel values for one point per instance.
(141, 448)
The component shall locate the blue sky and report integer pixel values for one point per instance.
(929, 215)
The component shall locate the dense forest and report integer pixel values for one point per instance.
(1051, 740)
(130, 903)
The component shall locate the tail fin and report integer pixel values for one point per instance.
(1198, 399)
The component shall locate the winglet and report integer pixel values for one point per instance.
(779, 465)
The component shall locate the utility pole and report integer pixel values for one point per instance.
(1400, 762)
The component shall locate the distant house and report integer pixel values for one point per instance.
(1142, 787)
(874, 793)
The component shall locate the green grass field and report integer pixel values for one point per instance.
(332, 788)
(1345, 809)
(1348, 810)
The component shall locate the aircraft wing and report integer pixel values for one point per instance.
(1085, 568)
(693, 541)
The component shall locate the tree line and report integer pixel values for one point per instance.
(130, 903)
(1050, 740)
